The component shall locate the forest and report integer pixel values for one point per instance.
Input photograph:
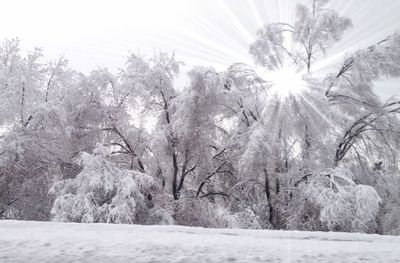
(231, 149)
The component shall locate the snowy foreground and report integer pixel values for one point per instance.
(60, 242)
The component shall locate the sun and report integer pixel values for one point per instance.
(284, 82)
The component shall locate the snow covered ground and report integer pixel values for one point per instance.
(60, 242)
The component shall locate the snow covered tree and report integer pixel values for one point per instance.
(287, 138)
(351, 90)
(102, 192)
(34, 133)
(267, 147)
(315, 31)
(330, 200)
(153, 82)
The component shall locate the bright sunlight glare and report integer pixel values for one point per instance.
(284, 82)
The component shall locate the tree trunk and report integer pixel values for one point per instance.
(175, 192)
(271, 210)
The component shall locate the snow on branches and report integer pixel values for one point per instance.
(274, 146)
(101, 192)
(330, 199)
(315, 31)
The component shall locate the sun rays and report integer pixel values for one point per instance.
(206, 32)
(284, 82)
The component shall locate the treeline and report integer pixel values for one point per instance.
(225, 151)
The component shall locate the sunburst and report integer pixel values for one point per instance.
(285, 82)
(208, 32)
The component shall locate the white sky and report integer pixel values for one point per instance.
(101, 33)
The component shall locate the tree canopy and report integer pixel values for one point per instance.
(231, 149)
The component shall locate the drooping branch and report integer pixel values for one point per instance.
(360, 126)
(219, 170)
(214, 193)
(349, 63)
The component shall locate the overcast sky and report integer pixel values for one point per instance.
(99, 33)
